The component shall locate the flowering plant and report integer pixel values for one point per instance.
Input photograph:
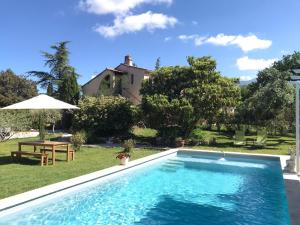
(127, 145)
(122, 155)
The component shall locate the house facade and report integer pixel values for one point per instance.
(125, 80)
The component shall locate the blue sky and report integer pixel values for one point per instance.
(242, 35)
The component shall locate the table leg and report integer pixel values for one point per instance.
(20, 149)
(68, 153)
(53, 155)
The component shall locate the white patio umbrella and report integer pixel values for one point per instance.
(41, 102)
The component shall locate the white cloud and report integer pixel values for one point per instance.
(245, 63)
(246, 78)
(221, 39)
(134, 23)
(116, 7)
(246, 43)
(184, 37)
(198, 40)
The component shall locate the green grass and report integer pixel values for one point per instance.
(276, 145)
(27, 175)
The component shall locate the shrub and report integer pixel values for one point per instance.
(104, 116)
(197, 136)
(128, 145)
(78, 139)
(172, 118)
(127, 148)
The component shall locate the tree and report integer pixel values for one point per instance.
(68, 89)
(157, 63)
(60, 71)
(15, 88)
(170, 117)
(270, 100)
(270, 105)
(12, 121)
(45, 117)
(199, 84)
(288, 62)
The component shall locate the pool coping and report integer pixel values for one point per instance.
(22, 198)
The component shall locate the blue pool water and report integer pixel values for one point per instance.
(184, 189)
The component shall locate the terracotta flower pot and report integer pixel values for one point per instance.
(124, 161)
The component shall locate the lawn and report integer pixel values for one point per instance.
(276, 145)
(27, 175)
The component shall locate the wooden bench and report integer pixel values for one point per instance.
(42, 156)
(71, 152)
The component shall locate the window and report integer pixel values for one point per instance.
(107, 81)
(132, 78)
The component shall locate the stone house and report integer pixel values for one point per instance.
(125, 80)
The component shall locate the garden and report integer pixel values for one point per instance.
(182, 106)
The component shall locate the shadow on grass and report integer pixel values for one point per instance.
(5, 160)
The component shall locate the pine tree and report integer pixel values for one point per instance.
(157, 63)
(68, 88)
(50, 89)
(56, 81)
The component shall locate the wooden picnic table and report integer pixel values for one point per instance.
(50, 144)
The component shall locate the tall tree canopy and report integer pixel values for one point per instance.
(198, 84)
(68, 90)
(270, 100)
(15, 88)
(157, 63)
(59, 73)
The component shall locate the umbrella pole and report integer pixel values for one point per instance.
(42, 125)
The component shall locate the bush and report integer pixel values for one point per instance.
(104, 116)
(127, 149)
(78, 139)
(128, 145)
(198, 137)
(172, 118)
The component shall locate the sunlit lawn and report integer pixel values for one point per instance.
(276, 145)
(27, 175)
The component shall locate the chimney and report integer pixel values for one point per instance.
(128, 60)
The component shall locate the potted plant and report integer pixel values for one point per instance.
(125, 155)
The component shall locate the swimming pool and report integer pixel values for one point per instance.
(183, 188)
